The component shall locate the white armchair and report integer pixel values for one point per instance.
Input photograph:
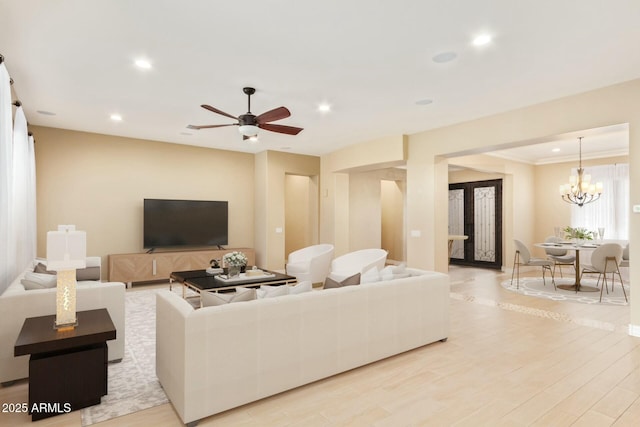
(311, 263)
(357, 262)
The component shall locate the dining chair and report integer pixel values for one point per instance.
(523, 257)
(606, 259)
(559, 256)
(625, 257)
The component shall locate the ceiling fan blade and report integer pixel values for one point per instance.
(209, 126)
(215, 110)
(273, 115)
(289, 130)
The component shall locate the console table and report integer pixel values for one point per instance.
(143, 267)
(67, 368)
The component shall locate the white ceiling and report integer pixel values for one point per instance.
(596, 143)
(370, 59)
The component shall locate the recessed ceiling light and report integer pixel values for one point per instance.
(46, 113)
(556, 150)
(186, 133)
(424, 102)
(143, 64)
(482, 40)
(116, 117)
(324, 107)
(443, 57)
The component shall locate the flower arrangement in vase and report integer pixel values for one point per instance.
(235, 261)
(578, 234)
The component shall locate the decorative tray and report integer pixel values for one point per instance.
(242, 277)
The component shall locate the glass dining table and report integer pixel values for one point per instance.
(571, 246)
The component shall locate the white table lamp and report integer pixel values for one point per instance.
(66, 251)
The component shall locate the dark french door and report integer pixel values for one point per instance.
(475, 210)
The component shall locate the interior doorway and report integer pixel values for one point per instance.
(301, 212)
(475, 210)
(392, 203)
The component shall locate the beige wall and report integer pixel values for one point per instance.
(301, 207)
(393, 231)
(271, 169)
(360, 214)
(469, 175)
(98, 183)
(337, 198)
(365, 225)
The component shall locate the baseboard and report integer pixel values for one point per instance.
(634, 330)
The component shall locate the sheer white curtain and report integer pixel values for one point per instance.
(6, 163)
(21, 224)
(611, 211)
(32, 219)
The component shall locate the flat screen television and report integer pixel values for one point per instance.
(185, 223)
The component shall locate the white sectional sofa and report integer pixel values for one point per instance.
(216, 358)
(17, 304)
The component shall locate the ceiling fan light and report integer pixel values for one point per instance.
(248, 130)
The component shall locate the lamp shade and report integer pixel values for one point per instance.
(248, 130)
(66, 248)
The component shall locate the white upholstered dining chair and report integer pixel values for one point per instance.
(523, 257)
(606, 259)
(559, 256)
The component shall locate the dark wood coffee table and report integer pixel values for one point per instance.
(67, 368)
(199, 280)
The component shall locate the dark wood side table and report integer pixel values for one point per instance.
(67, 368)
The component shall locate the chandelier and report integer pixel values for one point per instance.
(580, 190)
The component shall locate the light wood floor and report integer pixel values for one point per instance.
(510, 360)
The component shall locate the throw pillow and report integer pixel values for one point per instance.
(371, 275)
(391, 272)
(42, 269)
(88, 273)
(38, 281)
(299, 288)
(267, 291)
(213, 298)
(330, 283)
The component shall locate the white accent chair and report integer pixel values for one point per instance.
(559, 256)
(357, 262)
(311, 263)
(523, 257)
(606, 259)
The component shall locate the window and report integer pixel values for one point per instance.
(611, 211)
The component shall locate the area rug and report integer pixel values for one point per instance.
(132, 383)
(534, 287)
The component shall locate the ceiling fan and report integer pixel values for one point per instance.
(249, 124)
